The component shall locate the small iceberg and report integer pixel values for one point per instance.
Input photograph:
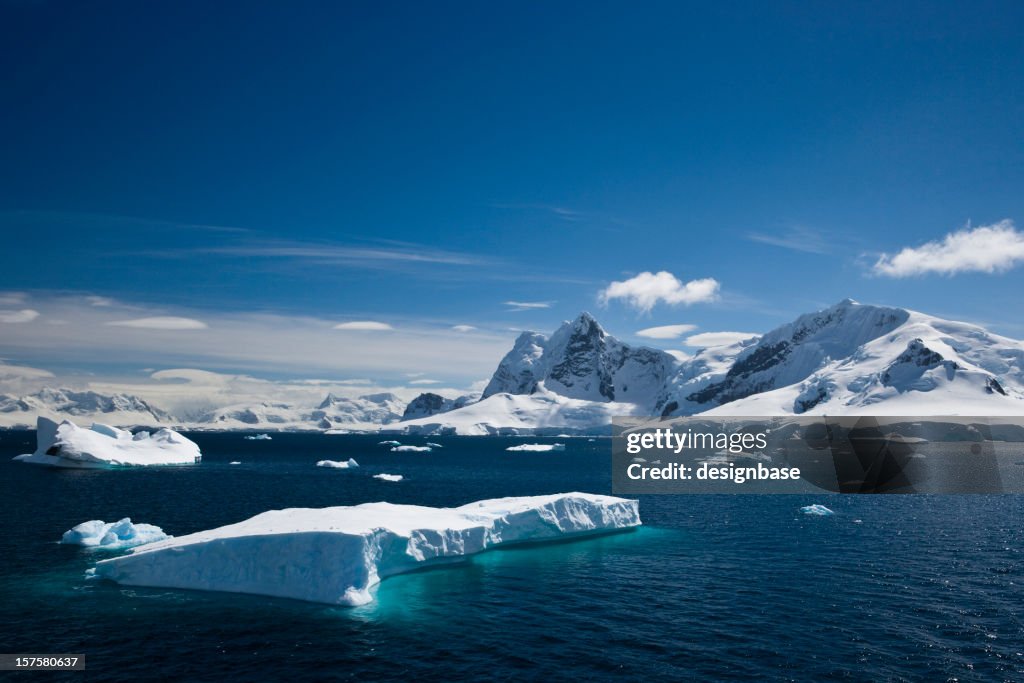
(258, 437)
(411, 449)
(388, 477)
(113, 535)
(235, 462)
(389, 443)
(336, 555)
(338, 464)
(816, 509)
(68, 445)
(434, 445)
(537, 447)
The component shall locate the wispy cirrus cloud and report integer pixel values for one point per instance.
(666, 331)
(989, 249)
(463, 328)
(647, 289)
(516, 306)
(25, 315)
(161, 322)
(328, 253)
(795, 239)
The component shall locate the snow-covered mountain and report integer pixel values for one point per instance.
(59, 404)
(847, 359)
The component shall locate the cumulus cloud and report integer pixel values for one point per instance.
(666, 331)
(463, 328)
(709, 339)
(25, 315)
(161, 322)
(647, 289)
(986, 249)
(364, 326)
(527, 305)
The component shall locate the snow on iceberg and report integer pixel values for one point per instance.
(411, 449)
(258, 437)
(388, 477)
(113, 535)
(336, 555)
(338, 464)
(816, 509)
(537, 447)
(68, 445)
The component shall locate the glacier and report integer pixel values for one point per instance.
(112, 535)
(337, 555)
(68, 445)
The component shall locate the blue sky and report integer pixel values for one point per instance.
(421, 165)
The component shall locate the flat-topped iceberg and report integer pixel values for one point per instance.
(258, 437)
(537, 447)
(336, 555)
(338, 464)
(68, 445)
(411, 449)
(388, 477)
(112, 535)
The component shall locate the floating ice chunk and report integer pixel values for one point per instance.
(389, 443)
(537, 447)
(235, 462)
(338, 464)
(388, 477)
(68, 445)
(259, 437)
(113, 535)
(816, 509)
(336, 555)
(434, 445)
(411, 449)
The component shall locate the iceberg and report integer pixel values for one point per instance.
(68, 445)
(411, 449)
(537, 447)
(112, 535)
(388, 477)
(816, 509)
(389, 443)
(258, 437)
(235, 462)
(336, 555)
(338, 464)
(434, 445)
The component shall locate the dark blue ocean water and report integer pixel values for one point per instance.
(924, 588)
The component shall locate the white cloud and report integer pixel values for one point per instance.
(425, 381)
(100, 301)
(647, 289)
(528, 305)
(364, 326)
(666, 331)
(161, 322)
(25, 315)
(986, 249)
(463, 328)
(708, 339)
